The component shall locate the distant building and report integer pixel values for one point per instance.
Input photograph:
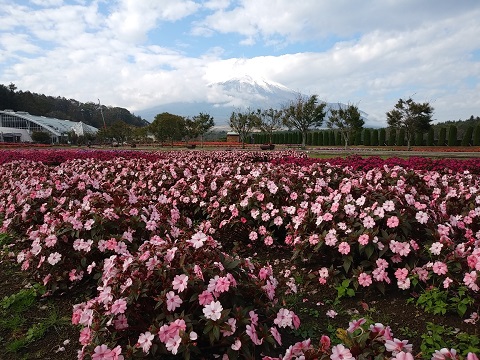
(19, 126)
(232, 136)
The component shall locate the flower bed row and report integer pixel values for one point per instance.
(156, 229)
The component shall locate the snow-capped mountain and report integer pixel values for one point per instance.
(231, 95)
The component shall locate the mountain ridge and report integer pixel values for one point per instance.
(234, 94)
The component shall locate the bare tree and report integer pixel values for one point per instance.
(270, 121)
(244, 122)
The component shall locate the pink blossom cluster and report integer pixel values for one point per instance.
(156, 229)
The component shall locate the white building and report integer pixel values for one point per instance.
(19, 126)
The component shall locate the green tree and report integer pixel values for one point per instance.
(303, 114)
(382, 134)
(442, 136)
(41, 137)
(167, 126)
(401, 137)
(201, 124)
(374, 139)
(244, 122)
(452, 135)
(270, 121)
(347, 120)
(358, 138)
(367, 137)
(410, 116)
(419, 139)
(476, 136)
(392, 137)
(331, 136)
(467, 137)
(431, 137)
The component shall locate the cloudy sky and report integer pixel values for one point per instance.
(141, 53)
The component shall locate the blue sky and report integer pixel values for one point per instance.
(142, 53)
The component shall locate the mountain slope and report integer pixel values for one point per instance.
(232, 95)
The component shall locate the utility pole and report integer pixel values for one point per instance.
(101, 112)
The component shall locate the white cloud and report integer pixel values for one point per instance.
(381, 51)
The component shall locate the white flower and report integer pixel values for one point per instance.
(54, 258)
(213, 310)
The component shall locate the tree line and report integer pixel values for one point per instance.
(91, 113)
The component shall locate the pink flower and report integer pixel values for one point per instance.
(102, 352)
(236, 345)
(284, 318)
(331, 313)
(401, 274)
(85, 336)
(145, 341)
(340, 352)
(395, 346)
(344, 248)
(54, 258)
(198, 239)
(439, 268)
(392, 222)
(213, 310)
(276, 335)
(325, 342)
(222, 284)
(364, 279)
(403, 356)
(472, 356)
(180, 282)
(436, 248)
(444, 353)
(470, 280)
(363, 239)
(205, 297)
(368, 222)
(173, 301)
(355, 324)
(173, 343)
(118, 307)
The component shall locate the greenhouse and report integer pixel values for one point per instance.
(19, 126)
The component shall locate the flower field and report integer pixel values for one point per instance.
(169, 245)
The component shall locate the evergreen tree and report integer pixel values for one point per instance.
(401, 137)
(476, 136)
(419, 139)
(374, 140)
(367, 137)
(452, 135)
(442, 137)
(331, 140)
(382, 134)
(467, 137)
(326, 138)
(338, 138)
(392, 135)
(320, 138)
(358, 138)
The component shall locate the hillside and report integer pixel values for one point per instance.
(67, 109)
